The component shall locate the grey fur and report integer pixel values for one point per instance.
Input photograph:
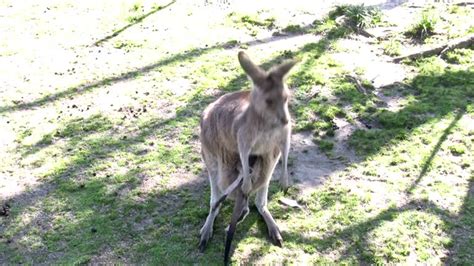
(241, 124)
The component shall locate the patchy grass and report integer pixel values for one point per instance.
(314, 110)
(136, 12)
(125, 183)
(326, 146)
(425, 27)
(254, 23)
(444, 95)
(126, 45)
(460, 56)
(392, 47)
(358, 16)
(293, 28)
(457, 21)
(440, 88)
(268, 23)
(139, 11)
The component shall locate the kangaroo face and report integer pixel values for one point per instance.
(270, 100)
(270, 94)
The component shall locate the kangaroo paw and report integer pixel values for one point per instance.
(205, 237)
(275, 236)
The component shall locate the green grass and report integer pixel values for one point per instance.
(412, 141)
(459, 56)
(122, 185)
(392, 47)
(440, 89)
(325, 146)
(293, 28)
(136, 11)
(254, 23)
(359, 16)
(426, 25)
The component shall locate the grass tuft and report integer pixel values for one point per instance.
(359, 16)
(293, 28)
(425, 27)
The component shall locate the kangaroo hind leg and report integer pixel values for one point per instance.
(207, 229)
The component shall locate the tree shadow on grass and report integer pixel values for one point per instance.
(89, 86)
(461, 251)
(91, 203)
(135, 21)
(355, 239)
(436, 96)
(427, 163)
(84, 211)
(85, 208)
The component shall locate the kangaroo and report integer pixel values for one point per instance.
(243, 134)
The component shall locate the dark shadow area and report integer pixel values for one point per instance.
(461, 251)
(429, 160)
(113, 225)
(135, 21)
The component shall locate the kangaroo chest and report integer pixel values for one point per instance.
(266, 141)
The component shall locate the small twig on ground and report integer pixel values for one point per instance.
(356, 81)
(464, 4)
(365, 33)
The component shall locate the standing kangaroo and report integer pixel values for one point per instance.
(242, 136)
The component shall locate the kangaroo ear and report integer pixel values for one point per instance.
(282, 69)
(257, 74)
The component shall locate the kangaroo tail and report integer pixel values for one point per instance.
(228, 190)
(240, 203)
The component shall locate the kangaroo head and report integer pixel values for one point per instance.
(270, 95)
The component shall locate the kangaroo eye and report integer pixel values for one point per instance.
(269, 102)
